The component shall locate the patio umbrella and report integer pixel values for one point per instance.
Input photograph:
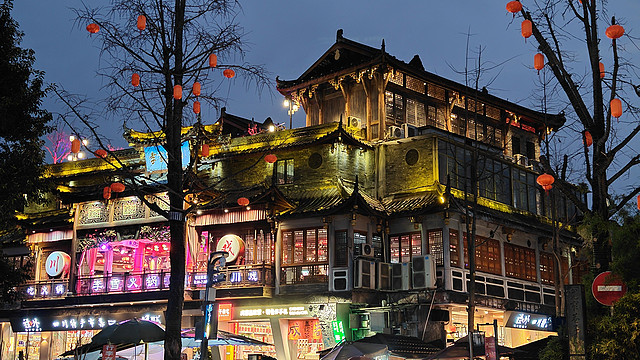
(349, 350)
(225, 338)
(460, 350)
(131, 331)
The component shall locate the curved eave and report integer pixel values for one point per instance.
(157, 137)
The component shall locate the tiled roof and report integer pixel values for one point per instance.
(408, 204)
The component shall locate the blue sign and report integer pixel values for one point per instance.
(156, 157)
(528, 321)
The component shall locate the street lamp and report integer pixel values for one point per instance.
(76, 154)
(293, 107)
(217, 260)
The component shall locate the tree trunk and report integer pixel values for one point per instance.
(600, 210)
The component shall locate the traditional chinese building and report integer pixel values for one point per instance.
(356, 223)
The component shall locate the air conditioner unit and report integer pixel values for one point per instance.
(409, 130)
(383, 272)
(365, 274)
(354, 122)
(339, 280)
(378, 321)
(521, 159)
(424, 272)
(395, 132)
(364, 250)
(400, 276)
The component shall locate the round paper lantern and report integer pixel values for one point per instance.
(616, 108)
(93, 28)
(228, 73)
(117, 187)
(142, 22)
(177, 92)
(638, 202)
(601, 70)
(204, 150)
(196, 107)
(270, 158)
(243, 201)
(526, 28)
(101, 153)
(545, 180)
(538, 61)
(213, 60)
(106, 193)
(75, 146)
(588, 139)
(196, 88)
(514, 7)
(614, 31)
(135, 79)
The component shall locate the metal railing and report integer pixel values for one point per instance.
(304, 274)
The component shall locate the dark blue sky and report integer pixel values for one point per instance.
(287, 36)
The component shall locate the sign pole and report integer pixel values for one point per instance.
(216, 257)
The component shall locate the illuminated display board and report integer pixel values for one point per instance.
(338, 331)
(296, 310)
(528, 321)
(34, 323)
(156, 157)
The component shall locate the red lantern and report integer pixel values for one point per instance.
(243, 201)
(614, 31)
(601, 71)
(616, 108)
(538, 61)
(196, 107)
(177, 92)
(638, 202)
(93, 28)
(228, 73)
(135, 79)
(526, 28)
(196, 88)
(270, 158)
(142, 22)
(588, 139)
(545, 180)
(213, 60)
(101, 153)
(75, 146)
(117, 187)
(106, 193)
(514, 7)
(204, 150)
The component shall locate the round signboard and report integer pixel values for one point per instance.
(608, 288)
(233, 244)
(58, 262)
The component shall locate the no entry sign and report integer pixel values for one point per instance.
(608, 288)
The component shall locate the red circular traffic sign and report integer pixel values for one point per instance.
(608, 288)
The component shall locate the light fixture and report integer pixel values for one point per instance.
(272, 128)
(226, 210)
(248, 207)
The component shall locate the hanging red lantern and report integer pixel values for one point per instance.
(101, 153)
(196, 88)
(135, 79)
(177, 92)
(142, 22)
(588, 139)
(117, 187)
(601, 65)
(616, 108)
(106, 193)
(514, 7)
(538, 61)
(75, 146)
(614, 31)
(213, 60)
(545, 180)
(270, 158)
(526, 28)
(196, 107)
(243, 201)
(638, 202)
(93, 28)
(204, 150)
(228, 73)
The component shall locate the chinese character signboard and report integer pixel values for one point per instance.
(338, 331)
(156, 157)
(490, 348)
(38, 321)
(109, 352)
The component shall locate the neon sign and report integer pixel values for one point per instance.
(84, 322)
(520, 320)
(338, 331)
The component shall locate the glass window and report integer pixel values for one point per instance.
(341, 249)
(284, 174)
(405, 246)
(394, 106)
(519, 262)
(546, 268)
(487, 255)
(454, 254)
(309, 246)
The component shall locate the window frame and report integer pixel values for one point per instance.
(291, 253)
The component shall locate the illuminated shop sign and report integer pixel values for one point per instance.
(57, 263)
(338, 331)
(224, 312)
(46, 290)
(520, 320)
(274, 311)
(156, 157)
(81, 322)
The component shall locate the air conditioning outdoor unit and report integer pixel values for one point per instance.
(400, 276)
(383, 272)
(521, 159)
(364, 250)
(409, 130)
(395, 132)
(354, 122)
(424, 272)
(339, 280)
(365, 274)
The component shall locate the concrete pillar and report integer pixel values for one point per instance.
(280, 331)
